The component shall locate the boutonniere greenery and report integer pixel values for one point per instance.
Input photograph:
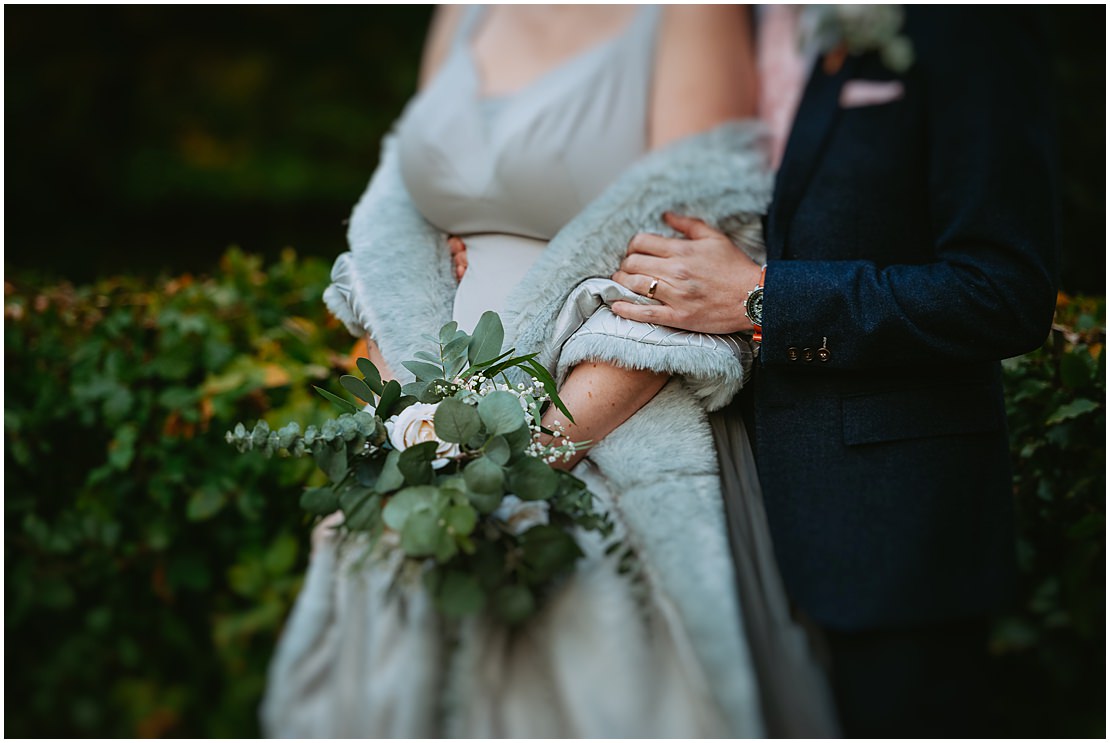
(837, 31)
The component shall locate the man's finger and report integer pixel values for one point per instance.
(649, 244)
(657, 314)
(648, 265)
(641, 284)
(690, 226)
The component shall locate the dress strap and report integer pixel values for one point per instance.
(471, 16)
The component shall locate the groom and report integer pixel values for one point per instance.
(911, 245)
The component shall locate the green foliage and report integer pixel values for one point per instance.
(1051, 648)
(444, 504)
(149, 567)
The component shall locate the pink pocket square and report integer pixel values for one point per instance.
(857, 93)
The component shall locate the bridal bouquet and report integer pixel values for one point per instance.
(454, 469)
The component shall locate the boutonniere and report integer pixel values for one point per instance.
(837, 31)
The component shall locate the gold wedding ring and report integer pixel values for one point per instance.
(652, 288)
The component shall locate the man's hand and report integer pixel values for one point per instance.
(703, 280)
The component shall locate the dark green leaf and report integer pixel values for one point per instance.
(548, 550)
(405, 502)
(205, 503)
(531, 479)
(390, 478)
(421, 533)
(486, 340)
(459, 594)
(333, 461)
(1072, 409)
(320, 501)
(415, 463)
(391, 393)
(461, 519)
(456, 421)
(497, 449)
(484, 476)
(501, 412)
(545, 378)
(513, 604)
(357, 387)
(424, 371)
(373, 377)
(447, 332)
(345, 405)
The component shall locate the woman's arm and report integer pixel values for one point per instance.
(704, 76)
(445, 20)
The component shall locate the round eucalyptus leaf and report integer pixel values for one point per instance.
(459, 594)
(484, 476)
(497, 449)
(531, 479)
(461, 519)
(457, 422)
(421, 533)
(514, 604)
(501, 412)
(320, 501)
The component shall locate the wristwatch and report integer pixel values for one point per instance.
(753, 307)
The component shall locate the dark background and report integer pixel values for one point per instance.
(142, 138)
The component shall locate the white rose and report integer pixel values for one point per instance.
(520, 516)
(415, 425)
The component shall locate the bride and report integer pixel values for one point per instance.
(546, 137)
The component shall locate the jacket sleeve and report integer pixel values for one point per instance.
(990, 292)
(388, 240)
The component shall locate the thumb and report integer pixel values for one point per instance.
(689, 226)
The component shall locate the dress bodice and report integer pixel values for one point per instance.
(526, 163)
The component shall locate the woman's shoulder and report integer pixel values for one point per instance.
(704, 70)
(441, 33)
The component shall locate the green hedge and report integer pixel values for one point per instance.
(149, 567)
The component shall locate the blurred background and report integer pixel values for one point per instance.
(177, 179)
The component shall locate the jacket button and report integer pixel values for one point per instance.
(792, 353)
(807, 354)
(823, 354)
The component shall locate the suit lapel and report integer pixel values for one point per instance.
(817, 112)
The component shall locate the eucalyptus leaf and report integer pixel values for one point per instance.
(373, 377)
(486, 340)
(332, 460)
(424, 371)
(391, 393)
(1072, 409)
(531, 479)
(403, 402)
(513, 604)
(407, 501)
(416, 389)
(484, 476)
(498, 450)
(428, 356)
(459, 594)
(421, 533)
(501, 412)
(364, 515)
(345, 405)
(320, 501)
(457, 422)
(461, 519)
(390, 477)
(548, 550)
(415, 463)
(484, 503)
(357, 387)
(447, 332)
(518, 440)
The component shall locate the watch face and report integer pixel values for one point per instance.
(754, 306)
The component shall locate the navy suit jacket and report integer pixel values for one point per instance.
(915, 242)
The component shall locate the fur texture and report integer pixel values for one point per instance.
(661, 463)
